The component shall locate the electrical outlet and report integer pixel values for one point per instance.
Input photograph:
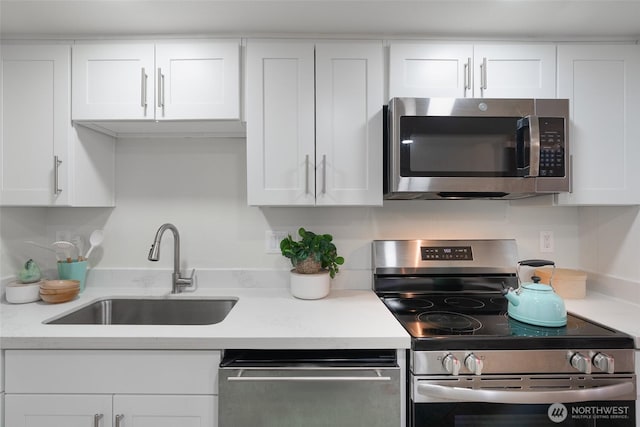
(272, 239)
(546, 241)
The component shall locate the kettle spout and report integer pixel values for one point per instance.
(511, 296)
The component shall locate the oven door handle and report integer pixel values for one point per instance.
(460, 394)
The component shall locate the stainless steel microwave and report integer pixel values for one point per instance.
(450, 148)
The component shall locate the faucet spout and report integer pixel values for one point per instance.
(178, 282)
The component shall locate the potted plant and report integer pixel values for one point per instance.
(315, 260)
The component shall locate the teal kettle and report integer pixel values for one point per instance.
(535, 303)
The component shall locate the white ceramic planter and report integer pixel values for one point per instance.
(310, 286)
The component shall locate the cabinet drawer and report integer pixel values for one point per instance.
(112, 371)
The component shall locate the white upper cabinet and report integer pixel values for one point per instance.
(45, 161)
(113, 81)
(35, 124)
(280, 123)
(349, 98)
(602, 84)
(198, 81)
(430, 70)
(314, 127)
(195, 80)
(466, 70)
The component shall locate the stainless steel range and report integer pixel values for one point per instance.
(470, 364)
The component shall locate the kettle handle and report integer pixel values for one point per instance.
(536, 262)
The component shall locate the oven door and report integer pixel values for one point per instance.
(523, 401)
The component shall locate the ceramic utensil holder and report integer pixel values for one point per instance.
(75, 270)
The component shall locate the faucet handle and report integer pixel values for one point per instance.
(185, 282)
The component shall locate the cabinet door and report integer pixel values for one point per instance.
(430, 70)
(280, 123)
(113, 81)
(165, 410)
(198, 80)
(602, 83)
(42, 410)
(349, 86)
(515, 71)
(35, 124)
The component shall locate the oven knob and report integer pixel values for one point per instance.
(451, 364)
(581, 362)
(604, 362)
(473, 363)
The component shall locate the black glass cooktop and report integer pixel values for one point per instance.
(464, 321)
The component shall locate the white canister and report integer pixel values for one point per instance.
(310, 286)
(20, 293)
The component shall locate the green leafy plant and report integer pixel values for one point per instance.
(312, 253)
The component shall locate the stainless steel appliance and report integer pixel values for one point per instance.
(311, 388)
(470, 364)
(449, 148)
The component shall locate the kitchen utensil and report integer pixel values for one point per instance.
(60, 297)
(56, 291)
(48, 248)
(62, 284)
(95, 239)
(20, 293)
(66, 248)
(536, 303)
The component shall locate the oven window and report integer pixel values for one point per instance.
(581, 414)
(432, 146)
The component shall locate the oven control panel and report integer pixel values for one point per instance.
(446, 253)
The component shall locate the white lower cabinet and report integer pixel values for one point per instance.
(111, 388)
(40, 410)
(67, 410)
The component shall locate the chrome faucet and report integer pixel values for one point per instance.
(178, 282)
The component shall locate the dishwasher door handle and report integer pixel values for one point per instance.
(378, 377)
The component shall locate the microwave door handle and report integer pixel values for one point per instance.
(534, 149)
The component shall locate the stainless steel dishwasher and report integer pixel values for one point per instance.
(287, 388)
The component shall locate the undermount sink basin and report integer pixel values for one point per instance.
(148, 311)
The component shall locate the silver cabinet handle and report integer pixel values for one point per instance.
(96, 419)
(467, 76)
(324, 174)
(56, 180)
(119, 418)
(143, 90)
(483, 77)
(306, 174)
(609, 392)
(161, 90)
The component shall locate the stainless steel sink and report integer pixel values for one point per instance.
(148, 311)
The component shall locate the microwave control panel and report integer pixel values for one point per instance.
(552, 147)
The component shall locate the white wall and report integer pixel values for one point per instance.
(610, 247)
(200, 186)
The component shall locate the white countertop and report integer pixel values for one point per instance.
(262, 318)
(613, 312)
